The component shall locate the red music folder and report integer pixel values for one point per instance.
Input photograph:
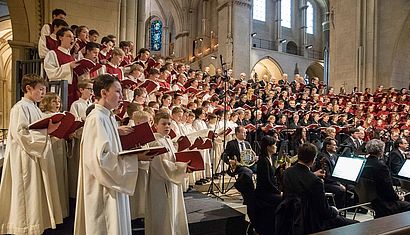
(141, 135)
(194, 156)
(206, 145)
(67, 126)
(152, 151)
(84, 65)
(43, 123)
(149, 85)
(183, 143)
(197, 143)
(129, 84)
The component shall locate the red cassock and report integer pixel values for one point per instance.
(51, 44)
(114, 71)
(72, 88)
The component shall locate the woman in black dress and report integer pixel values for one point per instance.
(267, 194)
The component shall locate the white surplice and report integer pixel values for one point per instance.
(54, 70)
(29, 195)
(105, 179)
(165, 208)
(78, 109)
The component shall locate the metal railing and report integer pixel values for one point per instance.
(264, 44)
(36, 66)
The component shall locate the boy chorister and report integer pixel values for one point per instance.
(165, 208)
(28, 191)
(78, 109)
(59, 63)
(51, 104)
(105, 179)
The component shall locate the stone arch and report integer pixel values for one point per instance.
(292, 48)
(6, 83)
(267, 66)
(315, 69)
(400, 75)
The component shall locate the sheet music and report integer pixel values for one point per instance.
(348, 168)
(405, 169)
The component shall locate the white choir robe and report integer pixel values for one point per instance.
(78, 109)
(165, 212)
(42, 45)
(188, 129)
(54, 70)
(45, 30)
(138, 200)
(29, 196)
(59, 147)
(179, 131)
(200, 125)
(105, 179)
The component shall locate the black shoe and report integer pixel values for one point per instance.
(199, 182)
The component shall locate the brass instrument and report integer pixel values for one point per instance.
(247, 158)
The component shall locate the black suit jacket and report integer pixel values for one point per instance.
(387, 201)
(328, 164)
(265, 183)
(349, 147)
(232, 149)
(396, 161)
(299, 181)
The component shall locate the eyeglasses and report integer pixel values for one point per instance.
(89, 88)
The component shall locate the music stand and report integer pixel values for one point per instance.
(404, 173)
(348, 170)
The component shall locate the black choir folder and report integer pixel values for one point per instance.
(348, 169)
(141, 135)
(67, 126)
(152, 151)
(195, 158)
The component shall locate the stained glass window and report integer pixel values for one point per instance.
(156, 35)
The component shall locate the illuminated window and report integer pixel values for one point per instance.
(259, 10)
(309, 18)
(156, 35)
(286, 13)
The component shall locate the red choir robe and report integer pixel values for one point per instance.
(114, 70)
(73, 95)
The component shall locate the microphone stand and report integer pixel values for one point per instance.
(211, 190)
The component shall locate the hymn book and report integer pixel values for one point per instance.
(141, 135)
(67, 126)
(152, 151)
(193, 157)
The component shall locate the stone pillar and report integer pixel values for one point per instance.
(131, 23)
(234, 34)
(123, 20)
(303, 36)
(141, 25)
(278, 25)
(326, 42)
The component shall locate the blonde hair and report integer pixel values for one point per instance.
(139, 116)
(45, 104)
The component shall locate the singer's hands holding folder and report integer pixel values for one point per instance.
(125, 130)
(144, 156)
(52, 126)
(189, 169)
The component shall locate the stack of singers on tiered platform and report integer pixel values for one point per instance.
(140, 131)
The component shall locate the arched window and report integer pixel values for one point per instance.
(156, 35)
(292, 48)
(286, 13)
(309, 18)
(259, 10)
